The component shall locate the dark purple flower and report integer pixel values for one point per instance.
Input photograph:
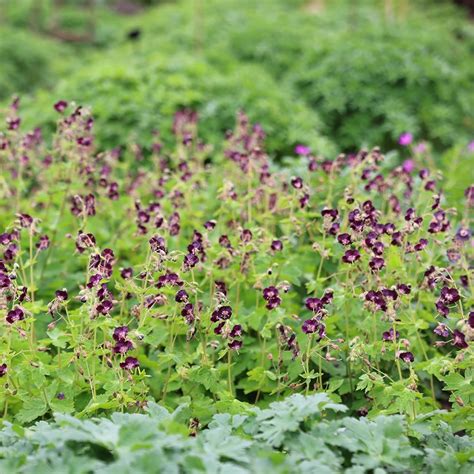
(94, 280)
(225, 242)
(404, 289)
(130, 363)
(463, 234)
(104, 307)
(13, 123)
(60, 106)
(327, 297)
(390, 335)
(310, 326)
(441, 330)
(126, 273)
(334, 229)
(276, 245)
(5, 281)
(221, 287)
(330, 213)
(157, 244)
(459, 339)
(25, 220)
(351, 256)
(389, 293)
(219, 327)
(378, 248)
(389, 228)
(120, 333)
(449, 295)
(5, 238)
(314, 304)
(424, 173)
(84, 241)
(410, 214)
(43, 243)
(297, 183)
(377, 299)
(3, 369)
(421, 245)
(62, 295)
(406, 357)
(209, 225)
(246, 235)
(304, 200)
(15, 314)
(376, 264)
(122, 347)
(312, 165)
(344, 239)
(181, 296)
(442, 308)
(470, 319)
(224, 312)
(190, 261)
(60, 396)
(188, 313)
(397, 239)
(10, 252)
(236, 331)
(270, 292)
(273, 303)
(453, 255)
(235, 345)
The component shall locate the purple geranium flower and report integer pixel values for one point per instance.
(3, 369)
(235, 345)
(276, 245)
(351, 256)
(16, 314)
(130, 363)
(60, 106)
(406, 357)
(123, 347)
(459, 339)
(120, 333)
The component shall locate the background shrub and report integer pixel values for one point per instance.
(343, 73)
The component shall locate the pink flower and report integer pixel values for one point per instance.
(405, 139)
(420, 148)
(408, 166)
(470, 146)
(302, 150)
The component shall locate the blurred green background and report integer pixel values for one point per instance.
(333, 74)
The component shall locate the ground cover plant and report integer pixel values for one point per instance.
(298, 435)
(220, 279)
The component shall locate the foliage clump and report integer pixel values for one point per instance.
(317, 439)
(187, 274)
